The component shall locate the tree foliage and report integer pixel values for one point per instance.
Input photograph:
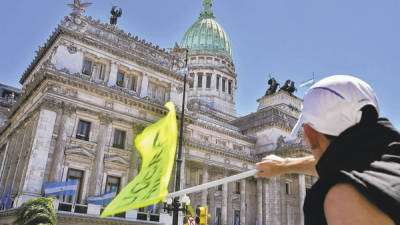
(37, 211)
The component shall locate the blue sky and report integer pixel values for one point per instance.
(289, 39)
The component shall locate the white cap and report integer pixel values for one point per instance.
(333, 104)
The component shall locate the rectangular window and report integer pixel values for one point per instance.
(83, 130)
(199, 80)
(223, 85)
(100, 71)
(237, 187)
(133, 83)
(120, 79)
(237, 217)
(208, 81)
(218, 215)
(288, 187)
(119, 139)
(74, 174)
(87, 67)
(113, 183)
(191, 83)
(230, 87)
(218, 82)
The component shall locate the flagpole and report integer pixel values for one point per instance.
(179, 158)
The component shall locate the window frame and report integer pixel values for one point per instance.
(83, 71)
(106, 189)
(200, 80)
(208, 81)
(122, 144)
(80, 135)
(117, 82)
(78, 196)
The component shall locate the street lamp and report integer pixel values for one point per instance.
(175, 203)
(175, 206)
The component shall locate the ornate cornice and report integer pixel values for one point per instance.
(199, 68)
(225, 131)
(219, 150)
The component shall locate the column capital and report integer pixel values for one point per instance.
(51, 104)
(105, 118)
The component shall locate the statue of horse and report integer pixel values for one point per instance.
(285, 87)
(291, 88)
(273, 85)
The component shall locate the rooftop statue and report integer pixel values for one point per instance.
(115, 14)
(273, 85)
(78, 8)
(288, 87)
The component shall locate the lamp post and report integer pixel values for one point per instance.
(179, 157)
(175, 206)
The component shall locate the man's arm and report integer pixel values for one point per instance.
(273, 166)
(344, 205)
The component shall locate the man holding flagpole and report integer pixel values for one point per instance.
(356, 155)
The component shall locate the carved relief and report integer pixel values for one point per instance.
(72, 49)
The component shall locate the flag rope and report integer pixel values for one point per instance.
(213, 183)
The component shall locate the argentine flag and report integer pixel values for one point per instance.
(102, 199)
(184, 71)
(61, 188)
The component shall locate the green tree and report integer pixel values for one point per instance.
(37, 211)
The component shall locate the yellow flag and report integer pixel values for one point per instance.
(157, 146)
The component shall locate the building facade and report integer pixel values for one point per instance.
(93, 87)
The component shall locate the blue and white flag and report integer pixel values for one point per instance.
(184, 71)
(307, 83)
(7, 205)
(2, 197)
(256, 221)
(61, 188)
(237, 220)
(102, 199)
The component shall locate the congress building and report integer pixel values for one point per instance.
(93, 87)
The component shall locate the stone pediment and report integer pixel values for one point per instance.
(115, 158)
(79, 151)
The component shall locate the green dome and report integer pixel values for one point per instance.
(206, 35)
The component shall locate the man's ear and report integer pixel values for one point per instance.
(311, 136)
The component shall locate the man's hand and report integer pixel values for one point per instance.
(273, 166)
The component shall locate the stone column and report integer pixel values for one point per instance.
(212, 205)
(112, 78)
(260, 201)
(65, 128)
(224, 204)
(243, 202)
(284, 208)
(302, 196)
(267, 207)
(17, 176)
(205, 180)
(275, 200)
(135, 156)
(144, 86)
(230, 206)
(39, 154)
(98, 165)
